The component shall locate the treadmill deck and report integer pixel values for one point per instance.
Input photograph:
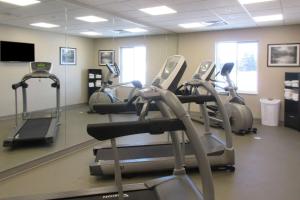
(212, 147)
(34, 129)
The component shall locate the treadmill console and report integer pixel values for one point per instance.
(205, 70)
(171, 73)
(40, 67)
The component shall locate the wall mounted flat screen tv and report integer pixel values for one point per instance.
(16, 51)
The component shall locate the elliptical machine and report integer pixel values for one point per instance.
(106, 94)
(240, 116)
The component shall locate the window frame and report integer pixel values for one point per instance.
(257, 67)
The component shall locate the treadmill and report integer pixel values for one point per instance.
(35, 130)
(158, 157)
(175, 187)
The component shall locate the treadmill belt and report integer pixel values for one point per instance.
(211, 146)
(34, 129)
(139, 152)
(133, 195)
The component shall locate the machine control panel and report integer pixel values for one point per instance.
(40, 67)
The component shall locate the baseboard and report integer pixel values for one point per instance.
(19, 169)
(255, 120)
(48, 110)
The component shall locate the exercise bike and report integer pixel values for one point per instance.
(106, 93)
(240, 116)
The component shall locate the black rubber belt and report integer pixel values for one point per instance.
(34, 128)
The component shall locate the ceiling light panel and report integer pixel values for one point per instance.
(268, 18)
(192, 25)
(90, 33)
(135, 30)
(91, 19)
(44, 25)
(158, 10)
(21, 2)
(245, 2)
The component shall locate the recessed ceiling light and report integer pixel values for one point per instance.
(44, 25)
(135, 30)
(159, 10)
(21, 2)
(194, 25)
(268, 18)
(244, 2)
(90, 33)
(91, 18)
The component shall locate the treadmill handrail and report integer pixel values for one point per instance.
(41, 75)
(208, 86)
(113, 108)
(105, 131)
(198, 99)
(130, 107)
(19, 84)
(46, 75)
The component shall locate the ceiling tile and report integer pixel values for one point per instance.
(229, 10)
(266, 12)
(270, 5)
(290, 3)
(125, 14)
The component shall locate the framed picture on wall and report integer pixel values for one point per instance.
(67, 56)
(106, 57)
(283, 55)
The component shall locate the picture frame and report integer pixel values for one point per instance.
(106, 57)
(283, 55)
(68, 56)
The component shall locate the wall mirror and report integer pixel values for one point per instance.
(69, 35)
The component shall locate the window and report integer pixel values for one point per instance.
(133, 64)
(244, 57)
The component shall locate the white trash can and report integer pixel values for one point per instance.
(270, 111)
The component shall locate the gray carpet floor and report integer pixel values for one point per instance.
(267, 168)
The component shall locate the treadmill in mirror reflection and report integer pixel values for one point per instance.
(35, 130)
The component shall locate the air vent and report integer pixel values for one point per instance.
(119, 31)
(216, 23)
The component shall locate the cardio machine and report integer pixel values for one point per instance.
(240, 116)
(42, 129)
(157, 157)
(175, 187)
(105, 94)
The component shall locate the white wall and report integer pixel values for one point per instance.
(41, 96)
(197, 47)
(158, 48)
(200, 46)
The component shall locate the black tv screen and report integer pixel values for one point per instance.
(16, 51)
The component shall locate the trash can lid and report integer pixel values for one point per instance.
(269, 101)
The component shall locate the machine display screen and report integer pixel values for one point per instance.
(40, 66)
(204, 67)
(170, 66)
